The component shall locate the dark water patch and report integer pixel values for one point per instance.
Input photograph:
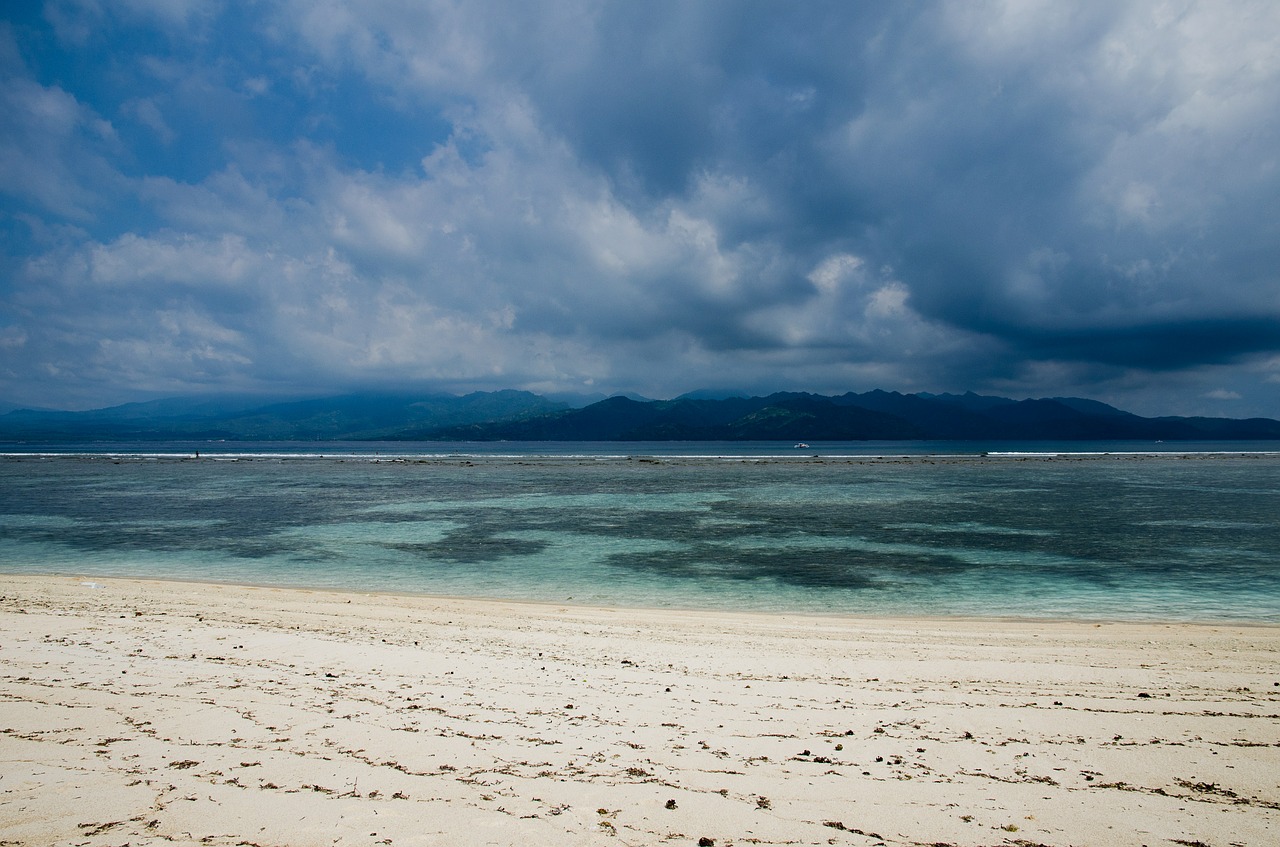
(119, 538)
(819, 567)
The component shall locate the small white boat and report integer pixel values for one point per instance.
(801, 446)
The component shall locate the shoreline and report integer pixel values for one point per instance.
(163, 712)
(570, 603)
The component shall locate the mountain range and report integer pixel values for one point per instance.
(700, 416)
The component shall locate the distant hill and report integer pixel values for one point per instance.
(852, 417)
(351, 417)
(699, 416)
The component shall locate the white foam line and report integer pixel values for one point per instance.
(1154, 453)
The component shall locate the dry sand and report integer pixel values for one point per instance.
(140, 713)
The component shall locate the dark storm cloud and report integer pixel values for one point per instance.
(967, 165)
(1034, 198)
(1159, 347)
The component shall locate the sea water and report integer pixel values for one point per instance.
(1102, 531)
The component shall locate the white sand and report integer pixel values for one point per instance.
(145, 713)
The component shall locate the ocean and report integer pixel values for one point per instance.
(1081, 531)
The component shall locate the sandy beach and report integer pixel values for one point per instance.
(140, 713)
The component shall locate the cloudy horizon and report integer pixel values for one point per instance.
(299, 198)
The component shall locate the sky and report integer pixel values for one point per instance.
(311, 197)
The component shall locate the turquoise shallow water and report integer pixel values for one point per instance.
(1147, 534)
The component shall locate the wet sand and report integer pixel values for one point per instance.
(146, 713)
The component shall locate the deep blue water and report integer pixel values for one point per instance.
(1109, 531)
